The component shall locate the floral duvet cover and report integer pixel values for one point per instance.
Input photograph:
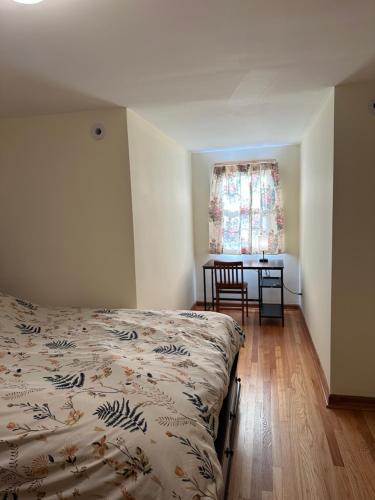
(111, 404)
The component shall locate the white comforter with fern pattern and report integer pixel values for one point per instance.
(111, 404)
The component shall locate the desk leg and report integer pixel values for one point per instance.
(204, 289)
(282, 296)
(260, 298)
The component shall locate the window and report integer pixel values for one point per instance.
(245, 214)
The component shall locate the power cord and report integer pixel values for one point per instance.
(291, 291)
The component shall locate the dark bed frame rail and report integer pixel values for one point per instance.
(224, 443)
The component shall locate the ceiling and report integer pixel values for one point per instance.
(209, 73)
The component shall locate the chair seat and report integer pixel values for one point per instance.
(231, 286)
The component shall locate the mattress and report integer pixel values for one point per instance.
(111, 403)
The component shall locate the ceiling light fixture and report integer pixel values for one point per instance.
(28, 2)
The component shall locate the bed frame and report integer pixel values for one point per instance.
(224, 443)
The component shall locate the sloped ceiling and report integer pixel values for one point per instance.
(209, 73)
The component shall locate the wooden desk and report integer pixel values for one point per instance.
(265, 310)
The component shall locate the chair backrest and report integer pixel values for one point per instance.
(228, 273)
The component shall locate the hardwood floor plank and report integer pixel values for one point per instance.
(280, 383)
(267, 495)
(277, 483)
(360, 488)
(331, 437)
(256, 470)
(341, 488)
(254, 348)
(365, 432)
(370, 420)
(267, 477)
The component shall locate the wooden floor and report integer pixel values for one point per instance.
(289, 446)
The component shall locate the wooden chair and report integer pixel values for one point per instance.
(229, 279)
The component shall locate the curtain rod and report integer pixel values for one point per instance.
(241, 162)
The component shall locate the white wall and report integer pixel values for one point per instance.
(353, 273)
(162, 211)
(288, 158)
(65, 210)
(316, 229)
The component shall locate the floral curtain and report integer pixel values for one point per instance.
(245, 213)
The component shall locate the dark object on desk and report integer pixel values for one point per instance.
(263, 259)
(229, 280)
(277, 310)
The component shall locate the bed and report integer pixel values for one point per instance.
(113, 404)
